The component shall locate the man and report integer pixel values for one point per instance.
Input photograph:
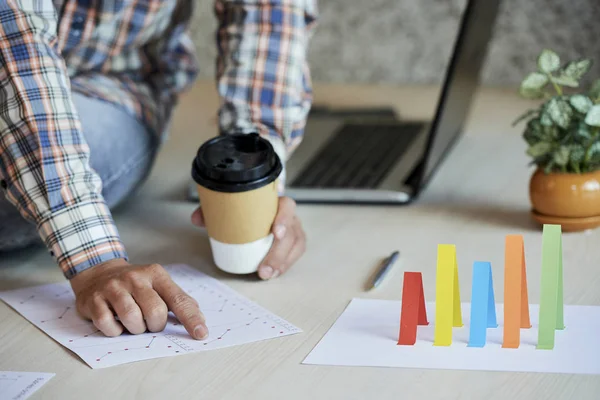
(86, 95)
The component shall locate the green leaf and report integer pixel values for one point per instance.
(548, 61)
(539, 149)
(595, 90)
(581, 103)
(561, 156)
(582, 132)
(576, 153)
(594, 153)
(549, 167)
(593, 116)
(533, 132)
(531, 137)
(545, 119)
(525, 115)
(560, 112)
(564, 80)
(532, 85)
(576, 69)
(550, 133)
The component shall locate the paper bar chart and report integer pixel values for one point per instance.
(514, 336)
(483, 306)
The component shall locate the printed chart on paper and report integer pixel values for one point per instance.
(21, 385)
(231, 319)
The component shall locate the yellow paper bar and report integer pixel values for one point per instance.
(457, 313)
(444, 294)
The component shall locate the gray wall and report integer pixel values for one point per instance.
(409, 41)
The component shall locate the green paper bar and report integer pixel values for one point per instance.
(560, 322)
(551, 299)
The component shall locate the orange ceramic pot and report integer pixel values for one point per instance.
(571, 198)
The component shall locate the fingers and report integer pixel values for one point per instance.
(274, 262)
(284, 218)
(183, 306)
(103, 318)
(153, 308)
(198, 217)
(127, 310)
(141, 297)
(289, 244)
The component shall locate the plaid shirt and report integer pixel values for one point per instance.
(135, 54)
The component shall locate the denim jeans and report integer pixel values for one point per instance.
(122, 152)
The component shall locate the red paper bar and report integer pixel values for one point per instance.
(413, 311)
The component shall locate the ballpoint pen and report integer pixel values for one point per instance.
(385, 268)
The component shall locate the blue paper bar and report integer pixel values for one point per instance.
(483, 307)
(491, 316)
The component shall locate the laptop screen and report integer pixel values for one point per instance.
(462, 78)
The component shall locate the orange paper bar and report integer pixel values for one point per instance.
(413, 311)
(516, 302)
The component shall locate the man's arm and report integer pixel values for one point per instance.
(44, 158)
(264, 83)
(262, 75)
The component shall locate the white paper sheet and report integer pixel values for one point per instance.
(231, 320)
(21, 385)
(366, 334)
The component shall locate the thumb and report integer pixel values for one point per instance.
(198, 217)
(285, 216)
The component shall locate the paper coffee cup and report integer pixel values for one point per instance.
(236, 177)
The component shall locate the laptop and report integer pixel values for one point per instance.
(361, 156)
(371, 159)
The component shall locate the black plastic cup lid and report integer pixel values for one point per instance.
(236, 163)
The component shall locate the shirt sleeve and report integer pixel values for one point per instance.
(262, 74)
(44, 159)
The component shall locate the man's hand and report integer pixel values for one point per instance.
(289, 244)
(140, 295)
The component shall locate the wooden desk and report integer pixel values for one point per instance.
(478, 196)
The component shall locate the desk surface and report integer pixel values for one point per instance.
(478, 197)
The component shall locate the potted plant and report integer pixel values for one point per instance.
(563, 135)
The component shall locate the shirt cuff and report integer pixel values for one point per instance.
(280, 150)
(81, 236)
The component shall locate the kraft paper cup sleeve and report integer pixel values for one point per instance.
(238, 218)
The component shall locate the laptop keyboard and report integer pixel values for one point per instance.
(359, 156)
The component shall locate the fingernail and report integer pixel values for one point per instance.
(275, 274)
(201, 332)
(265, 272)
(279, 231)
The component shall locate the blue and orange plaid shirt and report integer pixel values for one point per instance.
(135, 54)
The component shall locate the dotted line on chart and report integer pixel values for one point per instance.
(110, 341)
(27, 299)
(127, 349)
(217, 310)
(33, 296)
(84, 336)
(59, 317)
(221, 336)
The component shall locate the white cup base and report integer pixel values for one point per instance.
(240, 258)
